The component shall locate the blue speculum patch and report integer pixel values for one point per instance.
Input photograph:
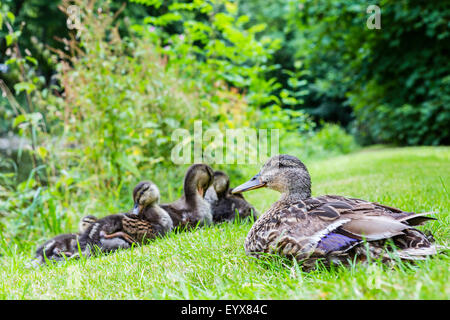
(335, 242)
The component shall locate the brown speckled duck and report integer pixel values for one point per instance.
(330, 228)
(63, 245)
(224, 204)
(146, 221)
(192, 209)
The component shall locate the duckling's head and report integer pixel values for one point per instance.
(145, 193)
(197, 180)
(221, 182)
(283, 173)
(86, 222)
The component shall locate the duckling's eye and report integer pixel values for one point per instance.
(142, 192)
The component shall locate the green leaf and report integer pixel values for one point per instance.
(19, 119)
(11, 61)
(9, 39)
(24, 86)
(231, 7)
(32, 60)
(11, 16)
(42, 152)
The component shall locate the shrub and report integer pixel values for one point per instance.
(395, 79)
(330, 140)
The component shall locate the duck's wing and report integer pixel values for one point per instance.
(139, 229)
(369, 220)
(177, 211)
(289, 229)
(322, 225)
(411, 218)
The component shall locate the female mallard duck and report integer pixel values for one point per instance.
(224, 204)
(146, 221)
(192, 209)
(331, 228)
(63, 245)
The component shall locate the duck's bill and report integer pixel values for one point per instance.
(136, 209)
(254, 183)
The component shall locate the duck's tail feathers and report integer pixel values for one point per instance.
(417, 219)
(420, 253)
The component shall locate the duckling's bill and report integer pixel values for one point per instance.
(253, 183)
(136, 209)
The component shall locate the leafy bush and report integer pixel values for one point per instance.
(330, 140)
(395, 79)
(214, 42)
(107, 126)
(333, 139)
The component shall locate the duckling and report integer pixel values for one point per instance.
(144, 222)
(64, 244)
(147, 220)
(106, 234)
(224, 204)
(192, 209)
(331, 228)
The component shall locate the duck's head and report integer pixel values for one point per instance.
(145, 194)
(86, 222)
(283, 173)
(197, 180)
(221, 182)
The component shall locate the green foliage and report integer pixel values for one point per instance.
(395, 79)
(104, 121)
(37, 24)
(287, 120)
(112, 122)
(396, 88)
(330, 140)
(24, 118)
(214, 42)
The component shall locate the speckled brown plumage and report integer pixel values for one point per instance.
(95, 235)
(149, 220)
(144, 222)
(330, 228)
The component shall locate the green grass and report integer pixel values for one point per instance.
(210, 263)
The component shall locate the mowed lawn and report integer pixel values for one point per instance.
(210, 263)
